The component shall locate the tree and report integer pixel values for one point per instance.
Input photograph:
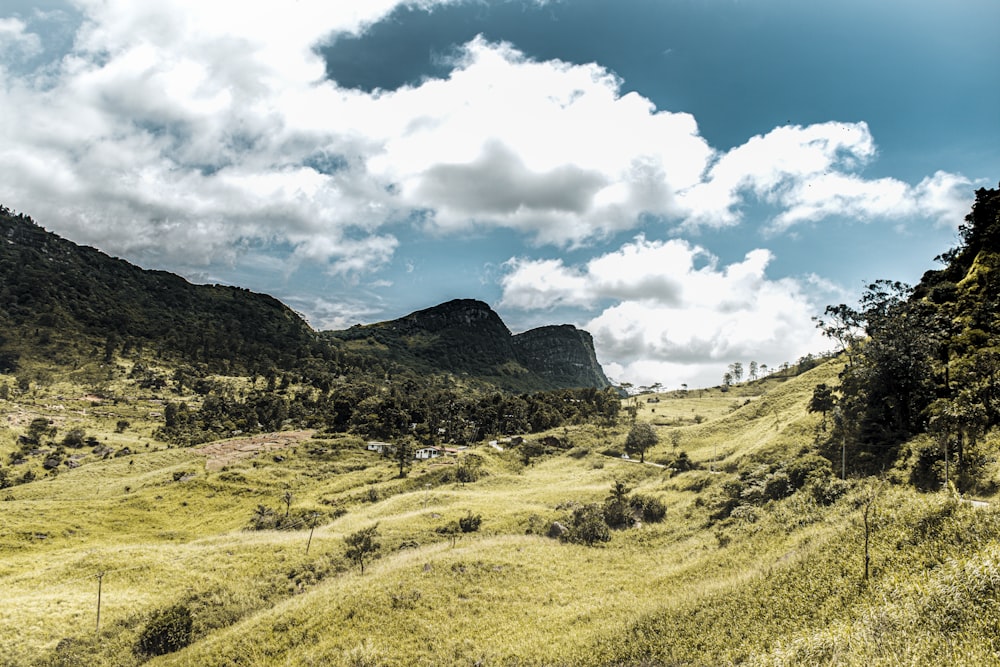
(736, 368)
(752, 373)
(822, 401)
(616, 506)
(362, 544)
(640, 437)
(403, 454)
(38, 428)
(891, 380)
(587, 525)
(843, 324)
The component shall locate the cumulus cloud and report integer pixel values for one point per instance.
(668, 312)
(16, 42)
(175, 131)
(809, 173)
(179, 129)
(551, 149)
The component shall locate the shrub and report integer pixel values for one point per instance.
(470, 523)
(74, 438)
(587, 526)
(651, 509)
(167, 631)
(616, 507)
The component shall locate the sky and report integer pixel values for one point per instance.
(691, 181)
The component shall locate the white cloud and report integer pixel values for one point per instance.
(673, 308)
(808, 174)
(179, 129)
(550, 149)
(16, 42)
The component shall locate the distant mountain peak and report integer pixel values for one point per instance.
(467, 337)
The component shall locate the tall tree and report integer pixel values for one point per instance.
(640, 437)
(822, 401)
(362, 544)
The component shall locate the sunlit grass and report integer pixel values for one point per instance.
(780, 584)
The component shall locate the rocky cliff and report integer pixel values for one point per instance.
(466, 337)
(561, 353)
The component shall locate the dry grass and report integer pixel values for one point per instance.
(781, 585)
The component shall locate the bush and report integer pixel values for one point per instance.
(470, 523)
(617, 514)
(651, 509)
(74, 438)
(167, 631)
(587, 526)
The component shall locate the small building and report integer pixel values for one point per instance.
(427, 453)
(381, 447)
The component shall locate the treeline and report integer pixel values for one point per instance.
(431, 414)
(923, 360)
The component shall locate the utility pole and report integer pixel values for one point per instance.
(312, 527)
(946, 463)
(100, 581)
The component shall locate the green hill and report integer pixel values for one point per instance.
(64, 303)
(467, 338)
(63, 306)
(760, 561)
(841, 513)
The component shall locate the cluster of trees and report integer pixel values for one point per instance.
(922, 360)
(592, 523)
(430, 412)
(754, 371)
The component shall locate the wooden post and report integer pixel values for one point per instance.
(843, 458)
(312, 527)
(100, 581)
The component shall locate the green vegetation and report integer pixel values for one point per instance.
(769, 548)
(793, 518)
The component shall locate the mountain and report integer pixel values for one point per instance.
(466, 337)
(561, 353)
(63, 305)
(59, 300)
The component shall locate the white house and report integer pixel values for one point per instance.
(427, 453)
(381, 447)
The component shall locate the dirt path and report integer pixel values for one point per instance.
(224, 452)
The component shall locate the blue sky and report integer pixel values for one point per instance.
(689, 180)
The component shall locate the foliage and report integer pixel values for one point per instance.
(168, 630)
(641, 437)
(649, 508)
(924, 359)
(362, 544)
(617, 509)
(761, 481)
(587, 525)
(822, 401)
(470, 522)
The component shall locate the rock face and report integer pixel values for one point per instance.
(466, 337)
(561, 353)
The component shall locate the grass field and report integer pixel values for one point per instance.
(774, 583)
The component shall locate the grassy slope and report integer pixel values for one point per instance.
(780, 587)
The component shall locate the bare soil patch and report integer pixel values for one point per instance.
(225, 452)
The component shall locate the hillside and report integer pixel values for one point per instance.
(467, 338)
(63, 306)
(62, 302)
(759, 562)
(840, 512)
